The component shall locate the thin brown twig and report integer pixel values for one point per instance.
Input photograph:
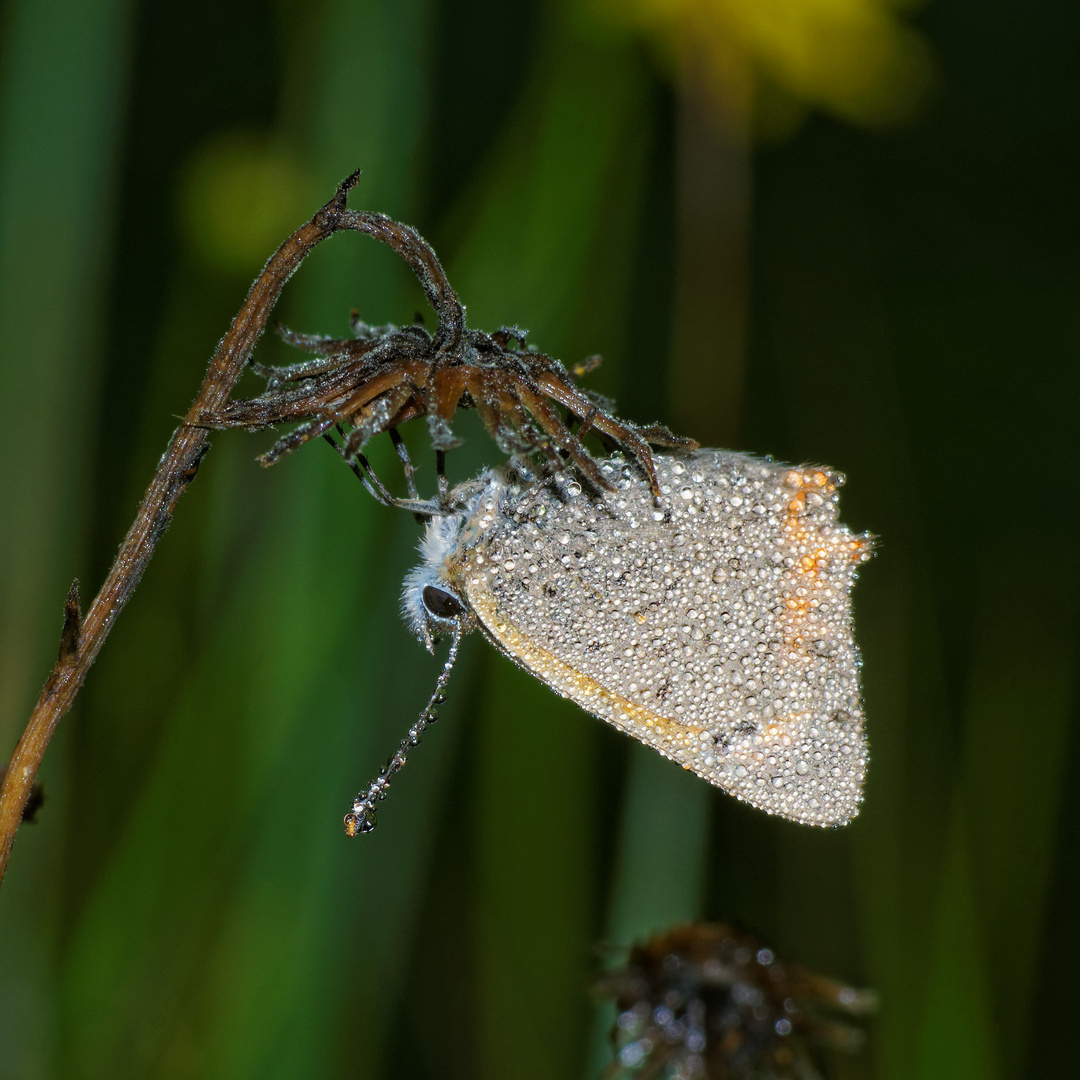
(82, 638)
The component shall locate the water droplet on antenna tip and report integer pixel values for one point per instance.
(357, 823)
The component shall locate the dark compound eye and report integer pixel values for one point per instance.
(442, 604)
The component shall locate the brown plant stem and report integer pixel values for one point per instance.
(82, 638)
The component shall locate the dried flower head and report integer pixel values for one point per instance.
(388, 375)
(708, 1001)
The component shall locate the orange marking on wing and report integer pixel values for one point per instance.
(805, 584)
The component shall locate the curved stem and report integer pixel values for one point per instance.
(83, 637)
(424, 263)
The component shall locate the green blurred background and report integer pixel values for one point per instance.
(833, 233)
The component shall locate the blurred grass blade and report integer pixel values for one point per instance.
(60, 120)
(64, 65)
(958, 1036)
(1019, 703)
(659, 867)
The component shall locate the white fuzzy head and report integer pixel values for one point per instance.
(427, 597)
(430, 602)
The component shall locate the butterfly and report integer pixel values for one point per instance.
(713, 624)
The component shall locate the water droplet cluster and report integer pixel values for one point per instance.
(714, 625)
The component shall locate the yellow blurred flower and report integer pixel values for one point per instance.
(855, 58)
(239, 194)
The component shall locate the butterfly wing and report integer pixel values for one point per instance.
(716, 628)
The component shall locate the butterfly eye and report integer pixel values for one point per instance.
(442, 604)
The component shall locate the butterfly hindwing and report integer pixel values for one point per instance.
(715, 627)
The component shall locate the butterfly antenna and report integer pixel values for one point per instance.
(361, 818)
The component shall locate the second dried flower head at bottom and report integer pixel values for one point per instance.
(710, 1001)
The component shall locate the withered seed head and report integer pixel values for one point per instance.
(708, 1001)
(388, 375)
